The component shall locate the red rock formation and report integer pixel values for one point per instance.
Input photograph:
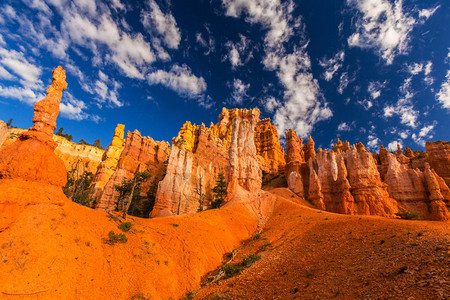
(244, 168)
(315, 189)
(109, 162)
(294, 160)
(439, 158)
(438, 209)
(139, 152)
(369, 192)
(193, 162)
(335, 187)
(267, 142)
(36, 147)
(309, 149)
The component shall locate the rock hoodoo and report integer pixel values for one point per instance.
(270, 152)
(439, 158)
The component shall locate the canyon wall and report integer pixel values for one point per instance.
(351, 180)
(268, 148)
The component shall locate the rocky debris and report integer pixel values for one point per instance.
(32, 157)
(439, 158)
(270, 152)
(244, 168)
(109, 162)
(139, 154)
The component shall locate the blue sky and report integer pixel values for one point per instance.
(375, 71)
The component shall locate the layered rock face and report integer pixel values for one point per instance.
(351, 180)
(199, 154)
(244, 167)
(109, 162)
(270, 152)
(139, 154)
(439, 158)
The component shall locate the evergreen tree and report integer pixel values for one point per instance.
(129, 191)
(219, 191)
(97, 144)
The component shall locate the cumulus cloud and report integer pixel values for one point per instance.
(239, 91)
(424, 134)
(271, 104)
(404, 107)
(162, 25)
(365, 103)
(443, 95)
(180, 79)
(383, 26)
(23, 94)
(373, 142)
(332, 65)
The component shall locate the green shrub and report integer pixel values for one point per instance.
(407, 215)
(115, 238)
(231, 271)
(256, 236)
(250, 259)
(125, 226)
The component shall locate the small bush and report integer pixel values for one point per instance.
(175, 225)
(125, 226)
(231, 271)
(190, 295)
(115, 238)
(407, 215)
(256, 236)
(249, 260)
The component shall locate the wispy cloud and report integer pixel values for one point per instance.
(332, 65)
(239, 91)
(444, 93)
(239, 53)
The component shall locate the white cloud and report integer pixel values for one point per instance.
(392, 146)
(17, 63)
(39, 5)
(272, 14)
(271, 104)
(131, 54)
(424, 134)
(444, 93)
(404, 134)
(415, 68)
(161, 25)
(367, 104)
(382, 26)
(427, 13)
(343, 82)
(4, 74)
(239, 53)
(344, 126)
(180, 79)
(375, 88)
(210, 45)
(332, 65)
(239, 91)
(373, 142)
(23, 94)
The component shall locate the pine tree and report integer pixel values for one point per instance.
(219, 191)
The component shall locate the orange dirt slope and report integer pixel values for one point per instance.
(311, 254)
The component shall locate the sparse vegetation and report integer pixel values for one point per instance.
(77, 187)
(114, 238)
(407, 215)
(190, 295)
(60, 132)
(129, 191)
(125, 226)
(250, 259)
(219, 191)
(231, 270)
(256, 236)
(175, 225)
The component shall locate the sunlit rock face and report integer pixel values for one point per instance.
(439, 158)
(4, 132)
(268, 148)
(139, 154)
(351, 180)
(109, 162)
(200, 153)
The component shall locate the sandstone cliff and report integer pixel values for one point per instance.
(4, 132)
(270, 152)
(439, 158)
(108, 163)
(140, 153)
